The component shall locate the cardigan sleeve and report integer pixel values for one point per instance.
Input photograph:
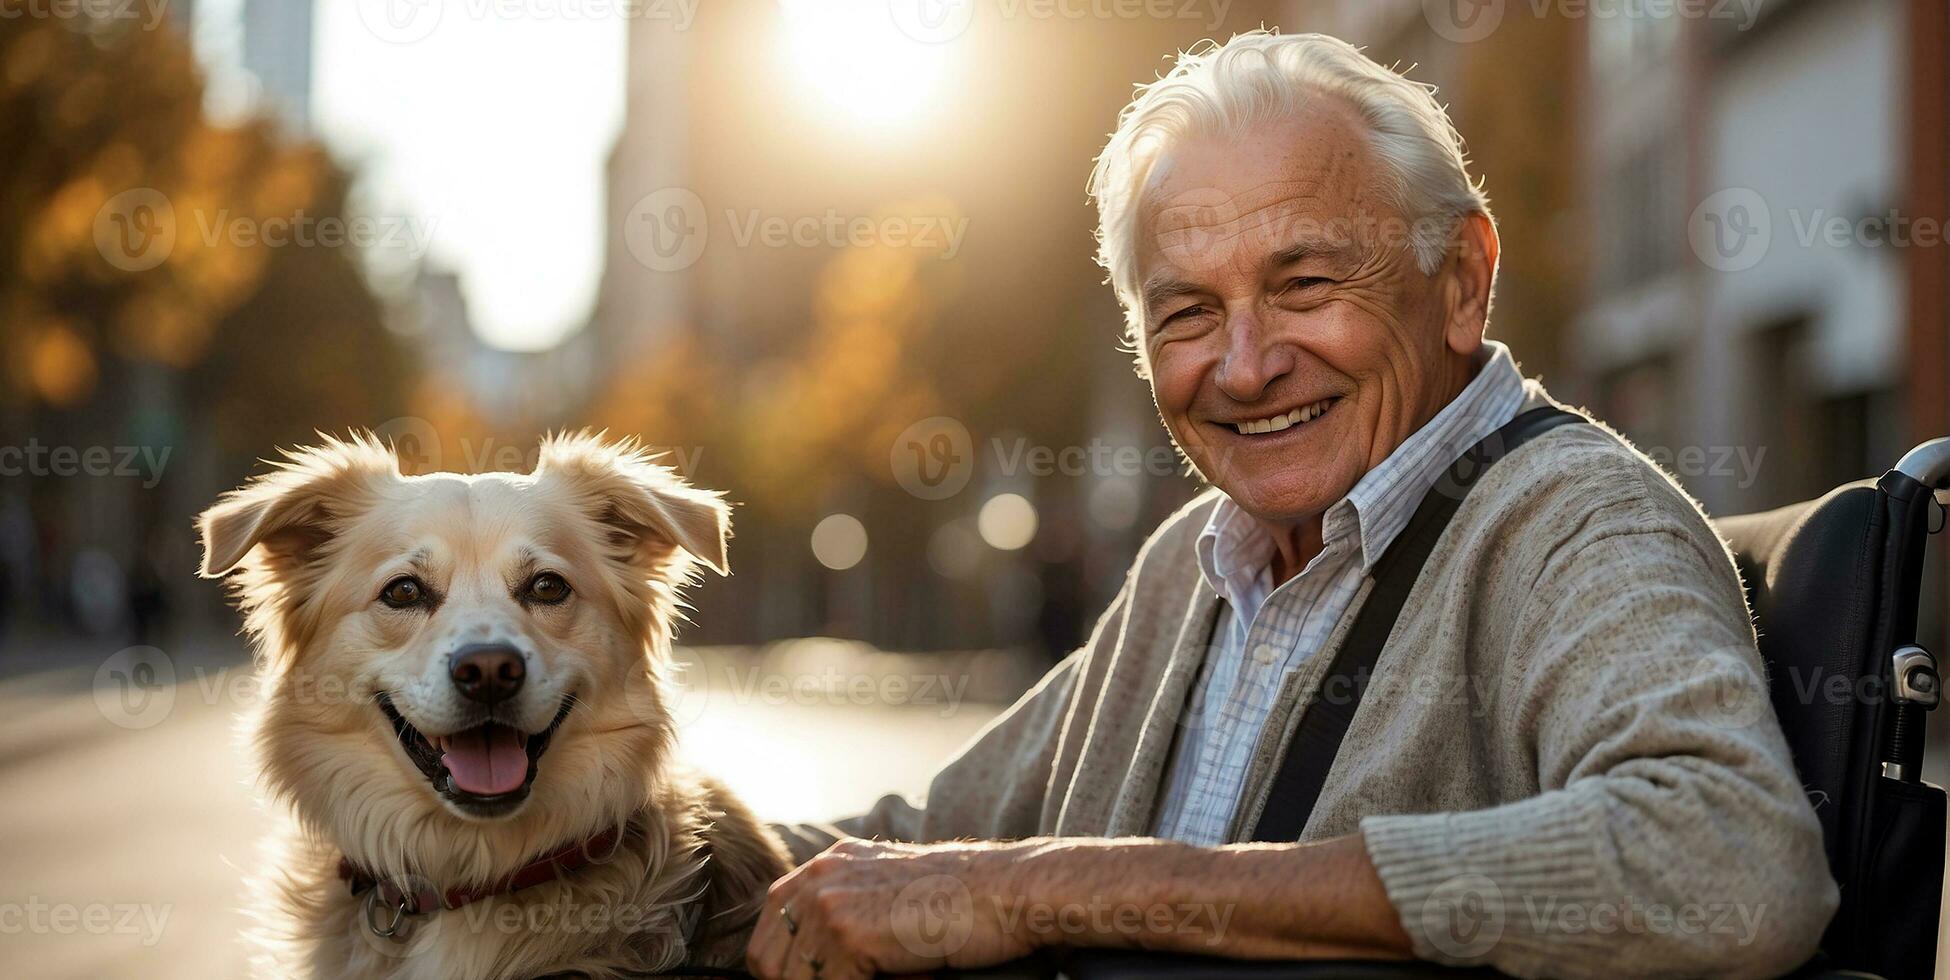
(1672, 833)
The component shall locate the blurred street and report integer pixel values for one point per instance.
(124, 846)
(835, 263)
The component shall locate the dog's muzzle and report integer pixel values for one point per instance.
(486, 771)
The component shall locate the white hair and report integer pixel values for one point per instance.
(1261, 76)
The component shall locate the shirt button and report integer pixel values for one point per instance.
(1264, 653)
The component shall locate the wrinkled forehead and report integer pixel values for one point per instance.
(491, 520)
(1310, 178)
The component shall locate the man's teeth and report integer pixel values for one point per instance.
(1305, 413)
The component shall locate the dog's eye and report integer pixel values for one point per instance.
(403, 592)
(548, 588)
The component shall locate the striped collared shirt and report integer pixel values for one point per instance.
(1263, 632)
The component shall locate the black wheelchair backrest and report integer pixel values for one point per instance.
(1834, 584)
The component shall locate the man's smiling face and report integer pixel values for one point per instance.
(1292, 340)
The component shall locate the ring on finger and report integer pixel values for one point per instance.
(791, 927)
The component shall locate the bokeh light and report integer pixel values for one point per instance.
(955, 550)
(839, 541)
(1114, 504)
(1007, 521)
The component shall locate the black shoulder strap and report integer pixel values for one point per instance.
(1312, 750)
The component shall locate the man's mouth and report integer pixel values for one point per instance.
(1282, 422)
(486, 770)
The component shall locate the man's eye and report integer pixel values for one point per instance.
(548, 588)
(1183, 315)
(403, 592)
(1306, 282)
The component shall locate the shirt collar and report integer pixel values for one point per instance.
(1233, 550)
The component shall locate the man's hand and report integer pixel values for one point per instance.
(863, 908)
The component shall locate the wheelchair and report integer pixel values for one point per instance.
(1834, 584)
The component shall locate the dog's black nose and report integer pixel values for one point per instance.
(487, 672)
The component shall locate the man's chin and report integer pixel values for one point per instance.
(1281, 502)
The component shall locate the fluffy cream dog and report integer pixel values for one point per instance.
(464, 711)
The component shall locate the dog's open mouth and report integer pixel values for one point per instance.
(486, 770)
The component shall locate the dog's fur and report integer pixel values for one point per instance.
(310, 546)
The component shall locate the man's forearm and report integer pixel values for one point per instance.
(1259, 901)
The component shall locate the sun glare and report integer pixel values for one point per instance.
(856, 57)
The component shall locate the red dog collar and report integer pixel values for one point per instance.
(404, 901)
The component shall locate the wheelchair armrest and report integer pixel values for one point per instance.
(1122, 965)
(1149, 966)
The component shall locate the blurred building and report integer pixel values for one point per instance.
(793, 365)
(277, 51)
(477, 398)
(1736, 211)
(148, 371)
(1724, 197)
(1733, 316)
(639, 307)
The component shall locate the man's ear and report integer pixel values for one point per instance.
(648, 508)
(291, 512)
(1470, 265)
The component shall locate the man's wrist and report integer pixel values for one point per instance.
(1088, 892)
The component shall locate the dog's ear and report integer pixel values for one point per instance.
(292, 511)
(648, 509)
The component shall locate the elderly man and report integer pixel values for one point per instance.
(1564, 762)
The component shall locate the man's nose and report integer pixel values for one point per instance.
(1253, 358)
(488, 673)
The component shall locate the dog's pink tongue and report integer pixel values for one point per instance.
(486, 761)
